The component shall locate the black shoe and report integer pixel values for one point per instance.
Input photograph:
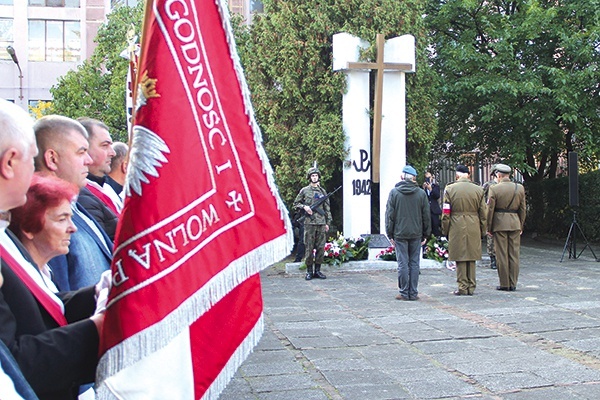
(512, 289)
(319, 275)
(308, 276)
(504, 288)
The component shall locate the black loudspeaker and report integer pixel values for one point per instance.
(573, 180)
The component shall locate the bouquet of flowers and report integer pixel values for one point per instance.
(436, 249)
(388, 254)
(341, 249)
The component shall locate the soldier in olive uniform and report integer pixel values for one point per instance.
(506, 217)
(463, 223)
(490, 239)
(316, 223)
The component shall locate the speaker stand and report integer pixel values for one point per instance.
(571, 242)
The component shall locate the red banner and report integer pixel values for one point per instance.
(201, 218)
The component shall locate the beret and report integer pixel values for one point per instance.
(463, 169)
(409, 170)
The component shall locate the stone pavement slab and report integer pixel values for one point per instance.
(346, 337)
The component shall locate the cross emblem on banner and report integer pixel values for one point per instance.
(379, 66)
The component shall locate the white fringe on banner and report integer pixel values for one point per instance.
(155, 337)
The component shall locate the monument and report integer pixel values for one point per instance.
(382, 162)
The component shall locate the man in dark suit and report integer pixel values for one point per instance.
(54, 357)
(63, 152)
(433, 195)
(97, 197)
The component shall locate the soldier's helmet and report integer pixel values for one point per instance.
(313, 170)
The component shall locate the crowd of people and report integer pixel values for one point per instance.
(61, 195)
(61, 183)
(468, 214)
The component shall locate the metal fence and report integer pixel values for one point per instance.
(444, 171)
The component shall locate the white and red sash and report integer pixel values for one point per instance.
(41, 296)
(104, 198)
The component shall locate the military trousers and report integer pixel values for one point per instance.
(314, 240)
(465, 276)
(508, 247)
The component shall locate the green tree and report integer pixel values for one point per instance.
(97, 87)
(519, 80)
(297, 97)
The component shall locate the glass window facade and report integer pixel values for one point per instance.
(54, 40)
(53, 3)
(6, 37)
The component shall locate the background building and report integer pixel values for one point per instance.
(49, 38)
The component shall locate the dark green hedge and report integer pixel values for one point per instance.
(549, 213)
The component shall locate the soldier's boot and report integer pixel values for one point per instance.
(493, 262)
(318, 273)
(309, 272)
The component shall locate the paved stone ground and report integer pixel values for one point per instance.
(346, 337)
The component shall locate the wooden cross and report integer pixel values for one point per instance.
(378, 66)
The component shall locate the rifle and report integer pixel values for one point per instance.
(315, 206)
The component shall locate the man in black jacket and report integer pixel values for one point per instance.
(408, 225)
(432, 189)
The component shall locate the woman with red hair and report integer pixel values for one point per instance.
(54, 336)
(43, 224)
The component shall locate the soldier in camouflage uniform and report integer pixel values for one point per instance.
(490, 239)
(316, 223)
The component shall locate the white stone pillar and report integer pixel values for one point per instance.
(356, 124)
(393, 125)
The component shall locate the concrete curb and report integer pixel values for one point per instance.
(358, 266)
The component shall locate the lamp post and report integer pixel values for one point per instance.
(11, 51)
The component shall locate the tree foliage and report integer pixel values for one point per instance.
(297, 97)
(519, 80)
(97, 87)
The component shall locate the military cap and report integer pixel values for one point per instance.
(409, 170)
(505, 169)
(463, 169)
